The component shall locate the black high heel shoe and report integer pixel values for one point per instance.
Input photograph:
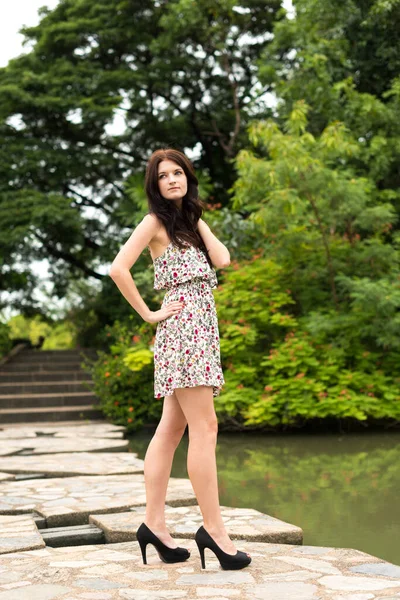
(227, 561)
(145, 536)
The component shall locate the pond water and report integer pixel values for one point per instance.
(342, 490)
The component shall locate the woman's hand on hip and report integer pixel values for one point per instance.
(173, 308)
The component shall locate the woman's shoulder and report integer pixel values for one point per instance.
(153, 223)
(152, 217)
(159, 238)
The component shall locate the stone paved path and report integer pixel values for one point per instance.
(45, 445)
(101, 430)
(8, 449)
(113, 498)
(277, 572)
(184, 521)
(70, 500)
(75, 463)
(19, 532)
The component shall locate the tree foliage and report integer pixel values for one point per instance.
(309, 310)
(343, 60)
(181, 73)
(327, 223)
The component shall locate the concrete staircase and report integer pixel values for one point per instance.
(49, 385)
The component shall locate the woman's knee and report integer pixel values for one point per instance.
(170, 432)
(206, 428)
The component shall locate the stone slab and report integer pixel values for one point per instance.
(96, 430)
(19, 532)
(68, 464)
(378, 569)
(52, 445)
(8, 450)
(75, 535)
(117, 572)
(183, 522)
(6, 476)
(70, 500)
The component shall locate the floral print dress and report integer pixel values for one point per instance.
(186, 346)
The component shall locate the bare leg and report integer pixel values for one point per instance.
(158, 465)
(197, 404)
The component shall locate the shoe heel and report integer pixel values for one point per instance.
(227, 561)
(201, 550)
(143, 547)
(145, 536)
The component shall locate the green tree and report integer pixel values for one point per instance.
(179, 72)
(325, 224)
(343, 60)
(333, 41)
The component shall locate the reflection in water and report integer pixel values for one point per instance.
(343, 491)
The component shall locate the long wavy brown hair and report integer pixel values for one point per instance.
(181, 224)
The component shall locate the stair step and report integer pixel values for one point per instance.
(43, 386)
(47, 385)
(37, 367)
(45, 400)
(59, 352)
(50, 355)
(58, 413)
(60, 395)
(75, 535)
(46, 359)
(43, 376)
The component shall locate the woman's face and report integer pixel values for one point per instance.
(172, 181)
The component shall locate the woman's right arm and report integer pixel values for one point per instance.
(126, 258)
(124, 261)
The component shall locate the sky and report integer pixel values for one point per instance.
(17, 13)
(13, 16)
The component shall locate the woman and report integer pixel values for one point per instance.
(187, 367)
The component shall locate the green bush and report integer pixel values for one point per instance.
(304, 380)
(283, 366)
(278, 373)
(123, 375)
(281, 370)
(252, 311)
(5, 341)
(58, 335)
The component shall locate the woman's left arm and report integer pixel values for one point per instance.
(219, 253)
